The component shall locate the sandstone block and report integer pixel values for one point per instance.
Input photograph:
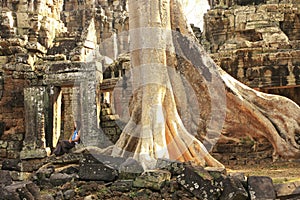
(233, 189)
(22, 20)
(122, 185)
(33, 153)
(20, 176)
(92, 168)
(130, 169)
(23, 190)
(152, 179)
(3, 60)
(261, 188)
(3, 153)
(199, 182)
(5, 178)
(11, 164)
(287, 190)
(175, 167)
(57, 179)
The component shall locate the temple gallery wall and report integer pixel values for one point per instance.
(53, 70)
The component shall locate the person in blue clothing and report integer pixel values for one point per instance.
(65, 145)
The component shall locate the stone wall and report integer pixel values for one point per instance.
(257, 44)
(48, 49)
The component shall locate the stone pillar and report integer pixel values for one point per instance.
(68, 118)
(90, 134)
(36, 100)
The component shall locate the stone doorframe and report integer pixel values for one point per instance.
(37, 104)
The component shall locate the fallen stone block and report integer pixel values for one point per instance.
(288, 190)
(174, 166)
(233, 189)
(152, 179)
(199, 182)
(130, 169)
(58, 179)
(94, 169)
(261, 188)
(122, 185)
(23, 190)
(5, 178)
(11, 165)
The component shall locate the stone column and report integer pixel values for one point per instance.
(91, 135)
(68, 118)
(36, 100)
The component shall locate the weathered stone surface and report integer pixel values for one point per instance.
(130, 169)
(122, 185)
(11, 164)
(93, 169)
(199, 182)
(31, 165)
(175, 167)
(261, 187)
(5, 178)
(20, 176)
(69, 194)
(288, 190)
(58, 179)
(233, 189)
(23, 190)
(153, 179)
(254, 42)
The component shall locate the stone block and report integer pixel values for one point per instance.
(175, 167)
(3, 60)
(233, 189)
(69, 194)
(23, 190)
(130, 169)
(31, 165)
(152, 179)
(11, 164)
(20, 176)
(261, 188)
(58, 179)
(122, 185)
(92, 168)
(11, 195)
(13, 154)
(5, 178)
(287, 190)
(97, 172)
(199, 182)
(14, 145)
(3, 153)
(33, 153)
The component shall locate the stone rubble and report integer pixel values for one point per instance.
(77, 176)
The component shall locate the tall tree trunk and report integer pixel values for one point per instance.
(176, 85)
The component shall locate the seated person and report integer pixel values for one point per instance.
(65, 145)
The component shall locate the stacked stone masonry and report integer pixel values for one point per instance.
(257, 43)
(48, 48)
(51, 56)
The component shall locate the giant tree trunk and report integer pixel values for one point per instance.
(181, 99)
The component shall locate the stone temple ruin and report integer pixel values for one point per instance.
(53, 70)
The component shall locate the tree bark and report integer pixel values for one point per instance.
(181, 99)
